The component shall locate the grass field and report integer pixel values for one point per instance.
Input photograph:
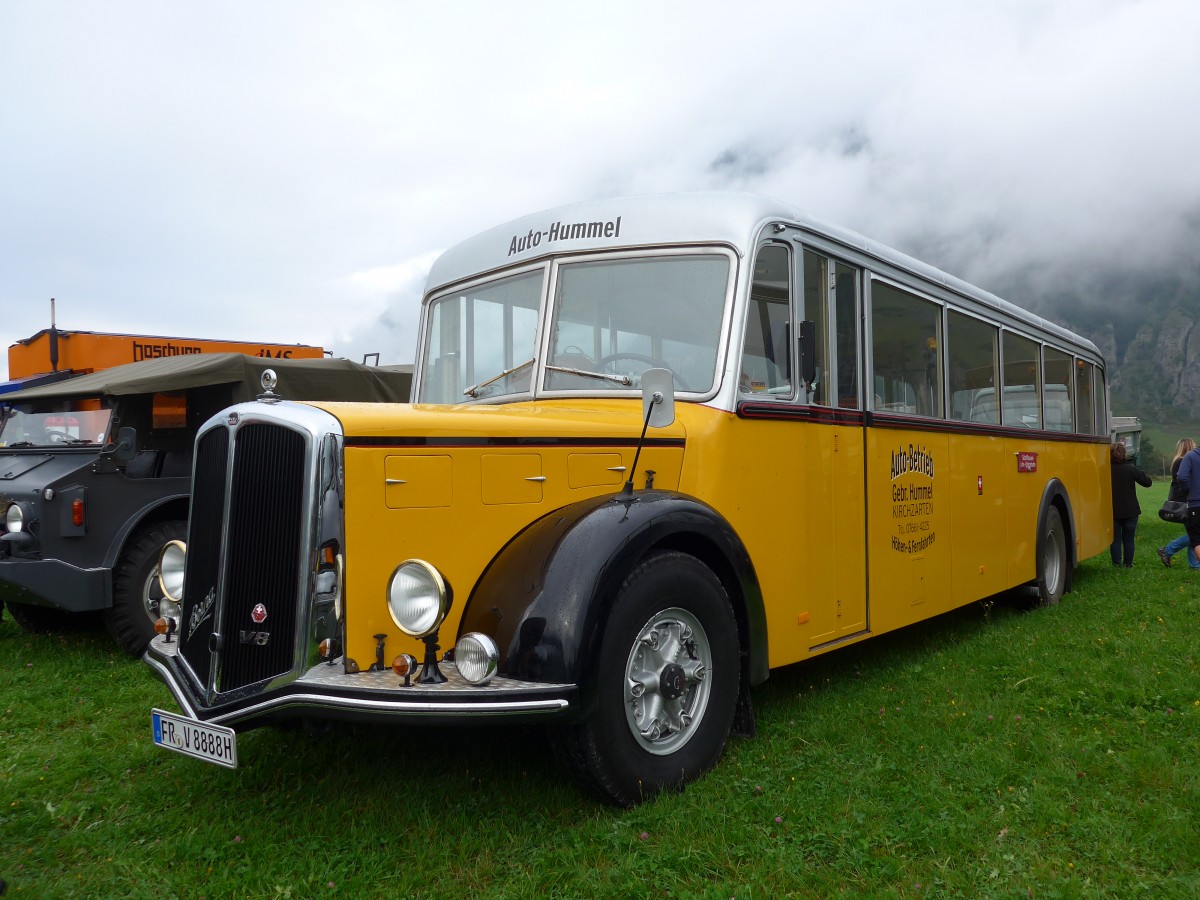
(991, 752)
(1163, 438)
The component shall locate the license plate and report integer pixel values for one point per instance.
(211, 743)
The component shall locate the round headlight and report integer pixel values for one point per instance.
(418, 598)
(170, 570)
(14, 518)
(476, 657)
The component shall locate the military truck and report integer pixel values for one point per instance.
(95, 473)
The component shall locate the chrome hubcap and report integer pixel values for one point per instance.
(668, 680)
(1054, 560)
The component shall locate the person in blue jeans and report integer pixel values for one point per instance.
(1165, 553)
(1126, 509)
(1188, 476)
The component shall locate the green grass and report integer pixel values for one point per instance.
(991, 752)
(1164, 438)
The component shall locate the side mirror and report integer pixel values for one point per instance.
(808, 352)
(658, 398)
(126, 447)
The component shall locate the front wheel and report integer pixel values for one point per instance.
(668, 678)
(1053, 560)
(137, 598)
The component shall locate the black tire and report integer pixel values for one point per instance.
(136, 593)
(1053, 560)
(637, 744)
(42, 619)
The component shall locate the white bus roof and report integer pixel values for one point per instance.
(711, 217)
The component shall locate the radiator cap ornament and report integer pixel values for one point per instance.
(268, 380)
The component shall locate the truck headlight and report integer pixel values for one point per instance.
(171, 564)
(476, 656)
(418, 598)
(14, 518)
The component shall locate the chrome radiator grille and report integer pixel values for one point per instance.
(204, 549)
(244, 563)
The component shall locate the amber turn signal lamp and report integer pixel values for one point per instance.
(405, 665)
(77, 512)
(165, 625)
(328, 649)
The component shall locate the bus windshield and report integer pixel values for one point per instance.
(612, 319)
(54, 423)
(621, 317)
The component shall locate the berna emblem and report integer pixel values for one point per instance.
(259, 613)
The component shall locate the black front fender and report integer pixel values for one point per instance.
(546, 596)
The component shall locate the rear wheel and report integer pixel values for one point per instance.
(137, 598)
(667, 678)
(1053, 560)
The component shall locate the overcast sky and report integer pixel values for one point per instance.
(288, 171)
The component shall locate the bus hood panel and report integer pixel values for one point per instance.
(594, 422)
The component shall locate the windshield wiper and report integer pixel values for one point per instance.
(473, 390)
(605, 376)
(21, 444)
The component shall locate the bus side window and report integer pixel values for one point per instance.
(906, 352)
(1057, 406)
(766, 351)
(846, 315)
(1083, 397)
(1019, 403)
(972, 357)
(816, 310)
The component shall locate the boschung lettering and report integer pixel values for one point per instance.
(157, 351)
(565, 231)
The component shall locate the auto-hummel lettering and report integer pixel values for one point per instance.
(565, 231)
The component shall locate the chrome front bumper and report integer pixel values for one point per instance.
(325, 691)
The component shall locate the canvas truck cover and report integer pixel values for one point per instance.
(299, 379)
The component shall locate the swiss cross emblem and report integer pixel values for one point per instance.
(259, 613)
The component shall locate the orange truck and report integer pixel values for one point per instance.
(81, 352)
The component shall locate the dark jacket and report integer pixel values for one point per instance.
(1176, 492)
(1188, 476)
(1124, 476)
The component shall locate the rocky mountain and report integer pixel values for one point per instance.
(1149, 332)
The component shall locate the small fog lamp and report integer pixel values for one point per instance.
(476, 656)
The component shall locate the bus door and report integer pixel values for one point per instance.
(834, 462)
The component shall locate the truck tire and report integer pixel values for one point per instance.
(42, 619)
(136, 593)
(667, 685)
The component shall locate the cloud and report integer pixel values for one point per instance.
(218, 170)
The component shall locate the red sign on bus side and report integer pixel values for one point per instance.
(1026, 462)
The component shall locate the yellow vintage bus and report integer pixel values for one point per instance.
(659, 447)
